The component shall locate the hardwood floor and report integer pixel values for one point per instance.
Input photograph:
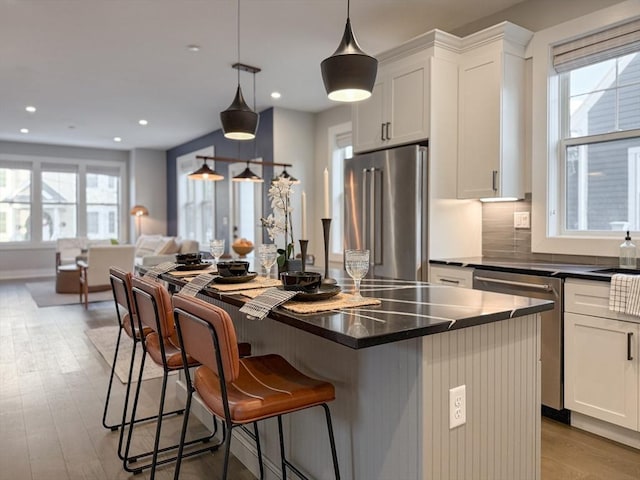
(52, 387)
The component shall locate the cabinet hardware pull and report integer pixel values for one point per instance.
(446, 280)
(382, 132)
(388, 125)
(545, 286)
(629, 335)
(494, 181)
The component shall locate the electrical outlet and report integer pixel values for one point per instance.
(457, 406)
(521, 220)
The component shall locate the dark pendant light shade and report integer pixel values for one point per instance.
(291, 178)
(205, 173)
(239, 122)
(349, 74)
(247, 176)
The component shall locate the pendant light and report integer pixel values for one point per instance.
(247, 175)
(205, 173)
(349, 74)
(291, 178)
(239, 122)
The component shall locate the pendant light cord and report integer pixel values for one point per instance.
(238, 33)
(348, 2)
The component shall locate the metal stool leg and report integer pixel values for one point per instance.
(112, 427)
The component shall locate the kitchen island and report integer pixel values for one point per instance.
(393, 366)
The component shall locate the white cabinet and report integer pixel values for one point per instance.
(451, 275)
(491, 102)
(602, 369)
(398, 110)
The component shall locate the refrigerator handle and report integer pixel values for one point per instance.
(364, 209)
(375, 208)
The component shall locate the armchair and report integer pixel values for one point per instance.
(94, 273)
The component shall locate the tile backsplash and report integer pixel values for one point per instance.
(500, 239)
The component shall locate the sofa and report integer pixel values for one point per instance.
(155, 249)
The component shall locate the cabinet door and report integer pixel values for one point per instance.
(601, 368)
(452, 276)
(408, 102)
(368, 126)
(479, 126)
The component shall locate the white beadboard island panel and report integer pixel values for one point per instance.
(500, 365)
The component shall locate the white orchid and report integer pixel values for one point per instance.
(279, 221)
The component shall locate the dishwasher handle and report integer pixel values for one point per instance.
(545, 287)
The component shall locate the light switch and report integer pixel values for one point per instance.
(521, 220)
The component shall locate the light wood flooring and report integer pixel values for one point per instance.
(52, 387)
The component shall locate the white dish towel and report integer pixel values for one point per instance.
(624, 294)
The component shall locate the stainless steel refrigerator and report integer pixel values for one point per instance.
(386, 210)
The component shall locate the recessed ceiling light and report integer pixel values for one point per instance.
(193, 48)
(117, 139)
(24, 130)
(143, 122)
(30, 108)
(275, 95)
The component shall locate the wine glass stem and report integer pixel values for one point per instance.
(356, 289)
(268, 269)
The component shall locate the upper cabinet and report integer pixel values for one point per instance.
(398, 110)
(491, 116)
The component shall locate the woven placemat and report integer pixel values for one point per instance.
(342, 300)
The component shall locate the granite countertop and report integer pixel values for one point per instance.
(600, 273)
(409, 309)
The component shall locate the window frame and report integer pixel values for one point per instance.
(547, 153)
(36, 164)
(337, 225)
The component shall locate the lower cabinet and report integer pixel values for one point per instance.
(451, 275)
(601, 368)
(601, 356)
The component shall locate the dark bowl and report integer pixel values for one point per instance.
(188, 258)
(234, 268)
(308, 282)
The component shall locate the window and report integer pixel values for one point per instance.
(59, 201)
(341, 148)
(196, 212)
(43, 199)
(103, 194)
(600, 146)
(15, 204)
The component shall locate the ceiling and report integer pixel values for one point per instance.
(93, 68)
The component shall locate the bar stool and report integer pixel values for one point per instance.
(241, 391)
(153, 306)
(127, 322)
(121, 288)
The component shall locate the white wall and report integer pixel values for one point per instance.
(148, 187)
(25, 261)
(293, 142)
(324, 120)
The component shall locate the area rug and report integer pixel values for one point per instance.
(104, 339)
(44, 294)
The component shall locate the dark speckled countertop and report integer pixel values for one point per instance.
(562, 270)
(409, 310)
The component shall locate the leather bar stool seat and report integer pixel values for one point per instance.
(267, 385)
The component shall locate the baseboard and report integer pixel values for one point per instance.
(242, 446)
(606, 430)
(27, 274)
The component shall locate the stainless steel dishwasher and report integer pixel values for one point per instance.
(548, 288)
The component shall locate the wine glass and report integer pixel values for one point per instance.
(216, 247)
(268, 254)
(357, 264)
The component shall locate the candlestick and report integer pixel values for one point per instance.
(304, 215)
(327, 214)
(303, 253)
(326, 229)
